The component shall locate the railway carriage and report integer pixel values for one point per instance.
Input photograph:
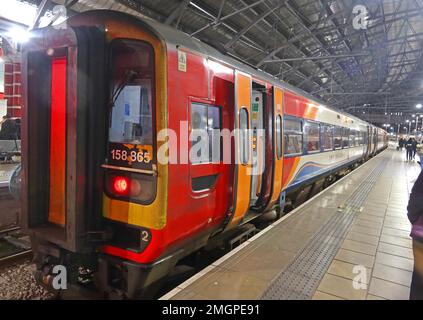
(100, 95)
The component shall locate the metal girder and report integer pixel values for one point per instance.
(177, 12)
(250, 25)
(216, 23)
(329, 57)
(302, 22)
(300, 74)
(41, 10)
(69, 4)
(292, 67)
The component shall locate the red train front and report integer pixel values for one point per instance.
(98, 95)
(106, 100)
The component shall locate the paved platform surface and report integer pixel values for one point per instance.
(351, 241)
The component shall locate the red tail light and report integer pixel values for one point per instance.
(121, 185)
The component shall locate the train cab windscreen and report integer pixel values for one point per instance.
(131, 123)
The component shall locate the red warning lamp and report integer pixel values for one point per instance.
(121, 185)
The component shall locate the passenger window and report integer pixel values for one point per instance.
(312, 133)
(245, 142)
(327, 137)
(293, 137)
(352, 138)
(360, 138)
(338, 138)
(279, 136)
(345, 137)
(204, 120)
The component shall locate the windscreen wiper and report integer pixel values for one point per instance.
(127, 78)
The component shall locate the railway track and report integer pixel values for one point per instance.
(14, 247)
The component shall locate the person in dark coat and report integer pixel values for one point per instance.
(414, 148)
(415, 215)
(401, 143)
(409, 149)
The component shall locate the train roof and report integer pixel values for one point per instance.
(179, 38)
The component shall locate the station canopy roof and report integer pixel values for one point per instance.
(354, 55)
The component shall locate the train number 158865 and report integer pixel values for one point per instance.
(130, 156)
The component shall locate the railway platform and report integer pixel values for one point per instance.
(350, 241)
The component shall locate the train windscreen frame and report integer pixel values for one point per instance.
(132, 114)
(131, 138)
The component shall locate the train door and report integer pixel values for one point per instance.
(374, 141)
(278, 143)
(243, 147)
(258, 146)
(368, 141)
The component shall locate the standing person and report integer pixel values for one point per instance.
(409, 149)
(414, 147)
(401, 143)
(415, 215)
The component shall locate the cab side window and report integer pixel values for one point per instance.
(204, 120)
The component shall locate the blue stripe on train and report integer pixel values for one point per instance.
(309, 172)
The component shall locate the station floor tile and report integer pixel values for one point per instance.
(392, 274)
(345, 270)
(394, 261)
(369, 217)
(263, 267)
(341, 287)
(395, 250)
(368, 224)
(388, 290)
(396, 225)
(325, 296)
(355, 258)
(359, 247)
(373, 297)
(403, 242)
(396, 232)
(366, 230)
(364, 238)
(228, 285)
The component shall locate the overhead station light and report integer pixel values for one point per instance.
(419, 106)
(19, 35)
